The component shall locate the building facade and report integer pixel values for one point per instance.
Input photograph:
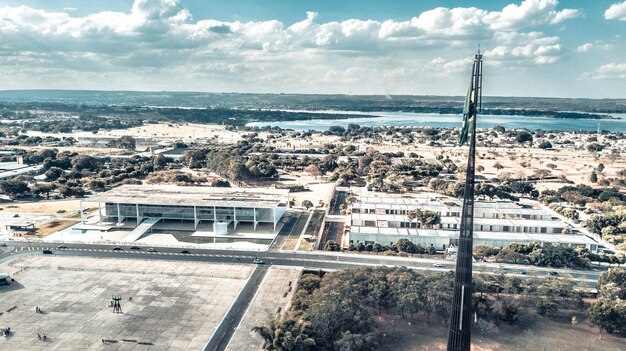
(382, 218)
(230, 206)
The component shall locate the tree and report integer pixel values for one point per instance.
(506, 310)
(600, 167)
(498, 166)
(509, 256)
(593, 177)
(524, 136)
(406, 245)
(485, 251)
(545, 145)
(45, 188)
(54, 173)
(313, 170)
(237, 171)
(332, 245)
(14, 187)
(608, 312)
(307, 204)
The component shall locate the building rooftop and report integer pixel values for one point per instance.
(193, 195)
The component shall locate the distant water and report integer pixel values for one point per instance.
(407, 119)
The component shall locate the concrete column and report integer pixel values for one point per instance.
(139, 218)
(274, 217)
(254, 213)
(99, 212)
(214, 219)
(195, 218)
(119, 218)
(235, 217)
(82, 217)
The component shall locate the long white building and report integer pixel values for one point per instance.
(222, 207)
(382, 219)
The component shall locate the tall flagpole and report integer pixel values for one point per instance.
(459, 336)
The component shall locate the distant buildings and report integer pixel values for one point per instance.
(382, 219)
(14, 169)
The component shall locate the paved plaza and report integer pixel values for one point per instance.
(166, 305)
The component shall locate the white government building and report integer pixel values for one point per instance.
(191, 206)
(381, 218)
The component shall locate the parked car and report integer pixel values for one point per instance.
(151, 249)
(135, 248)
(117, 248)
(553, 273)
(185, 251)
(62, 246)
(47, 252)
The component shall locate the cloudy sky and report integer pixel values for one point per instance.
(568, 48)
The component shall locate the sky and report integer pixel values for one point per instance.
(549, 48)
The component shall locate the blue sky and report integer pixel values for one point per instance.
(570, 48)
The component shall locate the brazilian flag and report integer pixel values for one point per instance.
(469, 112)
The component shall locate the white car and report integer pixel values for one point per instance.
(437, 265)
(258, 261)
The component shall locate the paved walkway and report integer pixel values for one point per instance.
(275, 292)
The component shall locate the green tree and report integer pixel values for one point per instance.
(14, 187)
(332, 245)
(485, 251)
(307, 204)
(524, 136)
(45, 189)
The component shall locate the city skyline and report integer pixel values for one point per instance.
(547, 48)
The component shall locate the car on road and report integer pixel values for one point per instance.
(62, 246)
(503, 268)
(185, 251)
(151, 249)
(522, 272)
(3, 244)
(47, 252)
(553, 273)
(258, 261)
(117, 248)
(135, 248)
(61, 211)
(437, 265)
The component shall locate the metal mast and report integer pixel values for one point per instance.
(459, 337)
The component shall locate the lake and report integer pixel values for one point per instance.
(407, 119)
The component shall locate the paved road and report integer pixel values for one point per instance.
(310, 260)
(224, 332)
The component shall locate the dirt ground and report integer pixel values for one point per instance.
(53, 227)
(536, 333)
(43, 207)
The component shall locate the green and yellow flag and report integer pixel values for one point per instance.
(468, 115)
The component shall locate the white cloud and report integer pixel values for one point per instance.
(586, 47)
(608, 71)
(160, 37)
(616, 11)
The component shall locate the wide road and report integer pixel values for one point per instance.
(307, 260)
(224, 332)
